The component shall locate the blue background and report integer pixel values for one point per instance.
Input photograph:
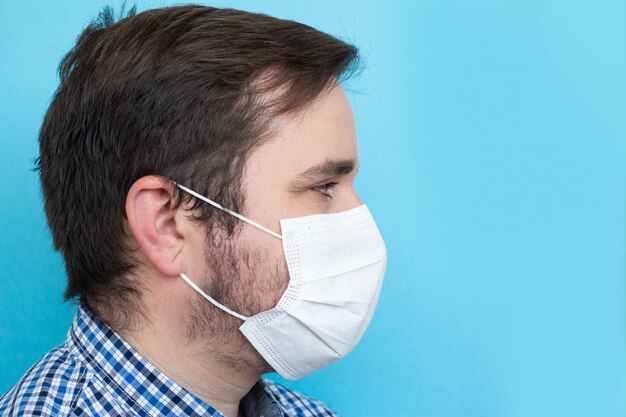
(493, 147)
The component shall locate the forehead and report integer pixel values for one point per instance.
(323, 131)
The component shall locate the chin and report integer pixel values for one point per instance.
(261, 364)
(267, 368)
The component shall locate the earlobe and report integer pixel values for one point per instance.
(154, 224)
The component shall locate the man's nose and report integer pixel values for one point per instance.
(349, 201)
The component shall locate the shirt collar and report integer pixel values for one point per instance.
(137, 382)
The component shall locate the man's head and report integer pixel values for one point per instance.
(243, 108)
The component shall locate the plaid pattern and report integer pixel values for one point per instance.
(96, 373)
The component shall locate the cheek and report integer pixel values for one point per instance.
(273, 282)
(263, 272)
(283, 273)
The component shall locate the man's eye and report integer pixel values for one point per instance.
(325, 188)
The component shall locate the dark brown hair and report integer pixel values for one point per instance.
(173, 92)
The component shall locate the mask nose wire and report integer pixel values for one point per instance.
(237, 215)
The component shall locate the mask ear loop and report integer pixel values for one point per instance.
(215, 303)
(240, 217)
(237, 215)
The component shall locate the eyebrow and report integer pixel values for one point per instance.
(328, 168)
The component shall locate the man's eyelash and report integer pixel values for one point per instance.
(325, 188)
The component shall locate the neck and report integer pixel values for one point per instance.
(217, 374)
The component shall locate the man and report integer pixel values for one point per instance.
(197, 168)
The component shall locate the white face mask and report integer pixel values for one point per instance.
(336, 265)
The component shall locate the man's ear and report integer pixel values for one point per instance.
(157, 228)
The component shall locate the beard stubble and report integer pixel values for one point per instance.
(246, 278)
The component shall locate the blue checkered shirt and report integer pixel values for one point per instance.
(97, 373)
